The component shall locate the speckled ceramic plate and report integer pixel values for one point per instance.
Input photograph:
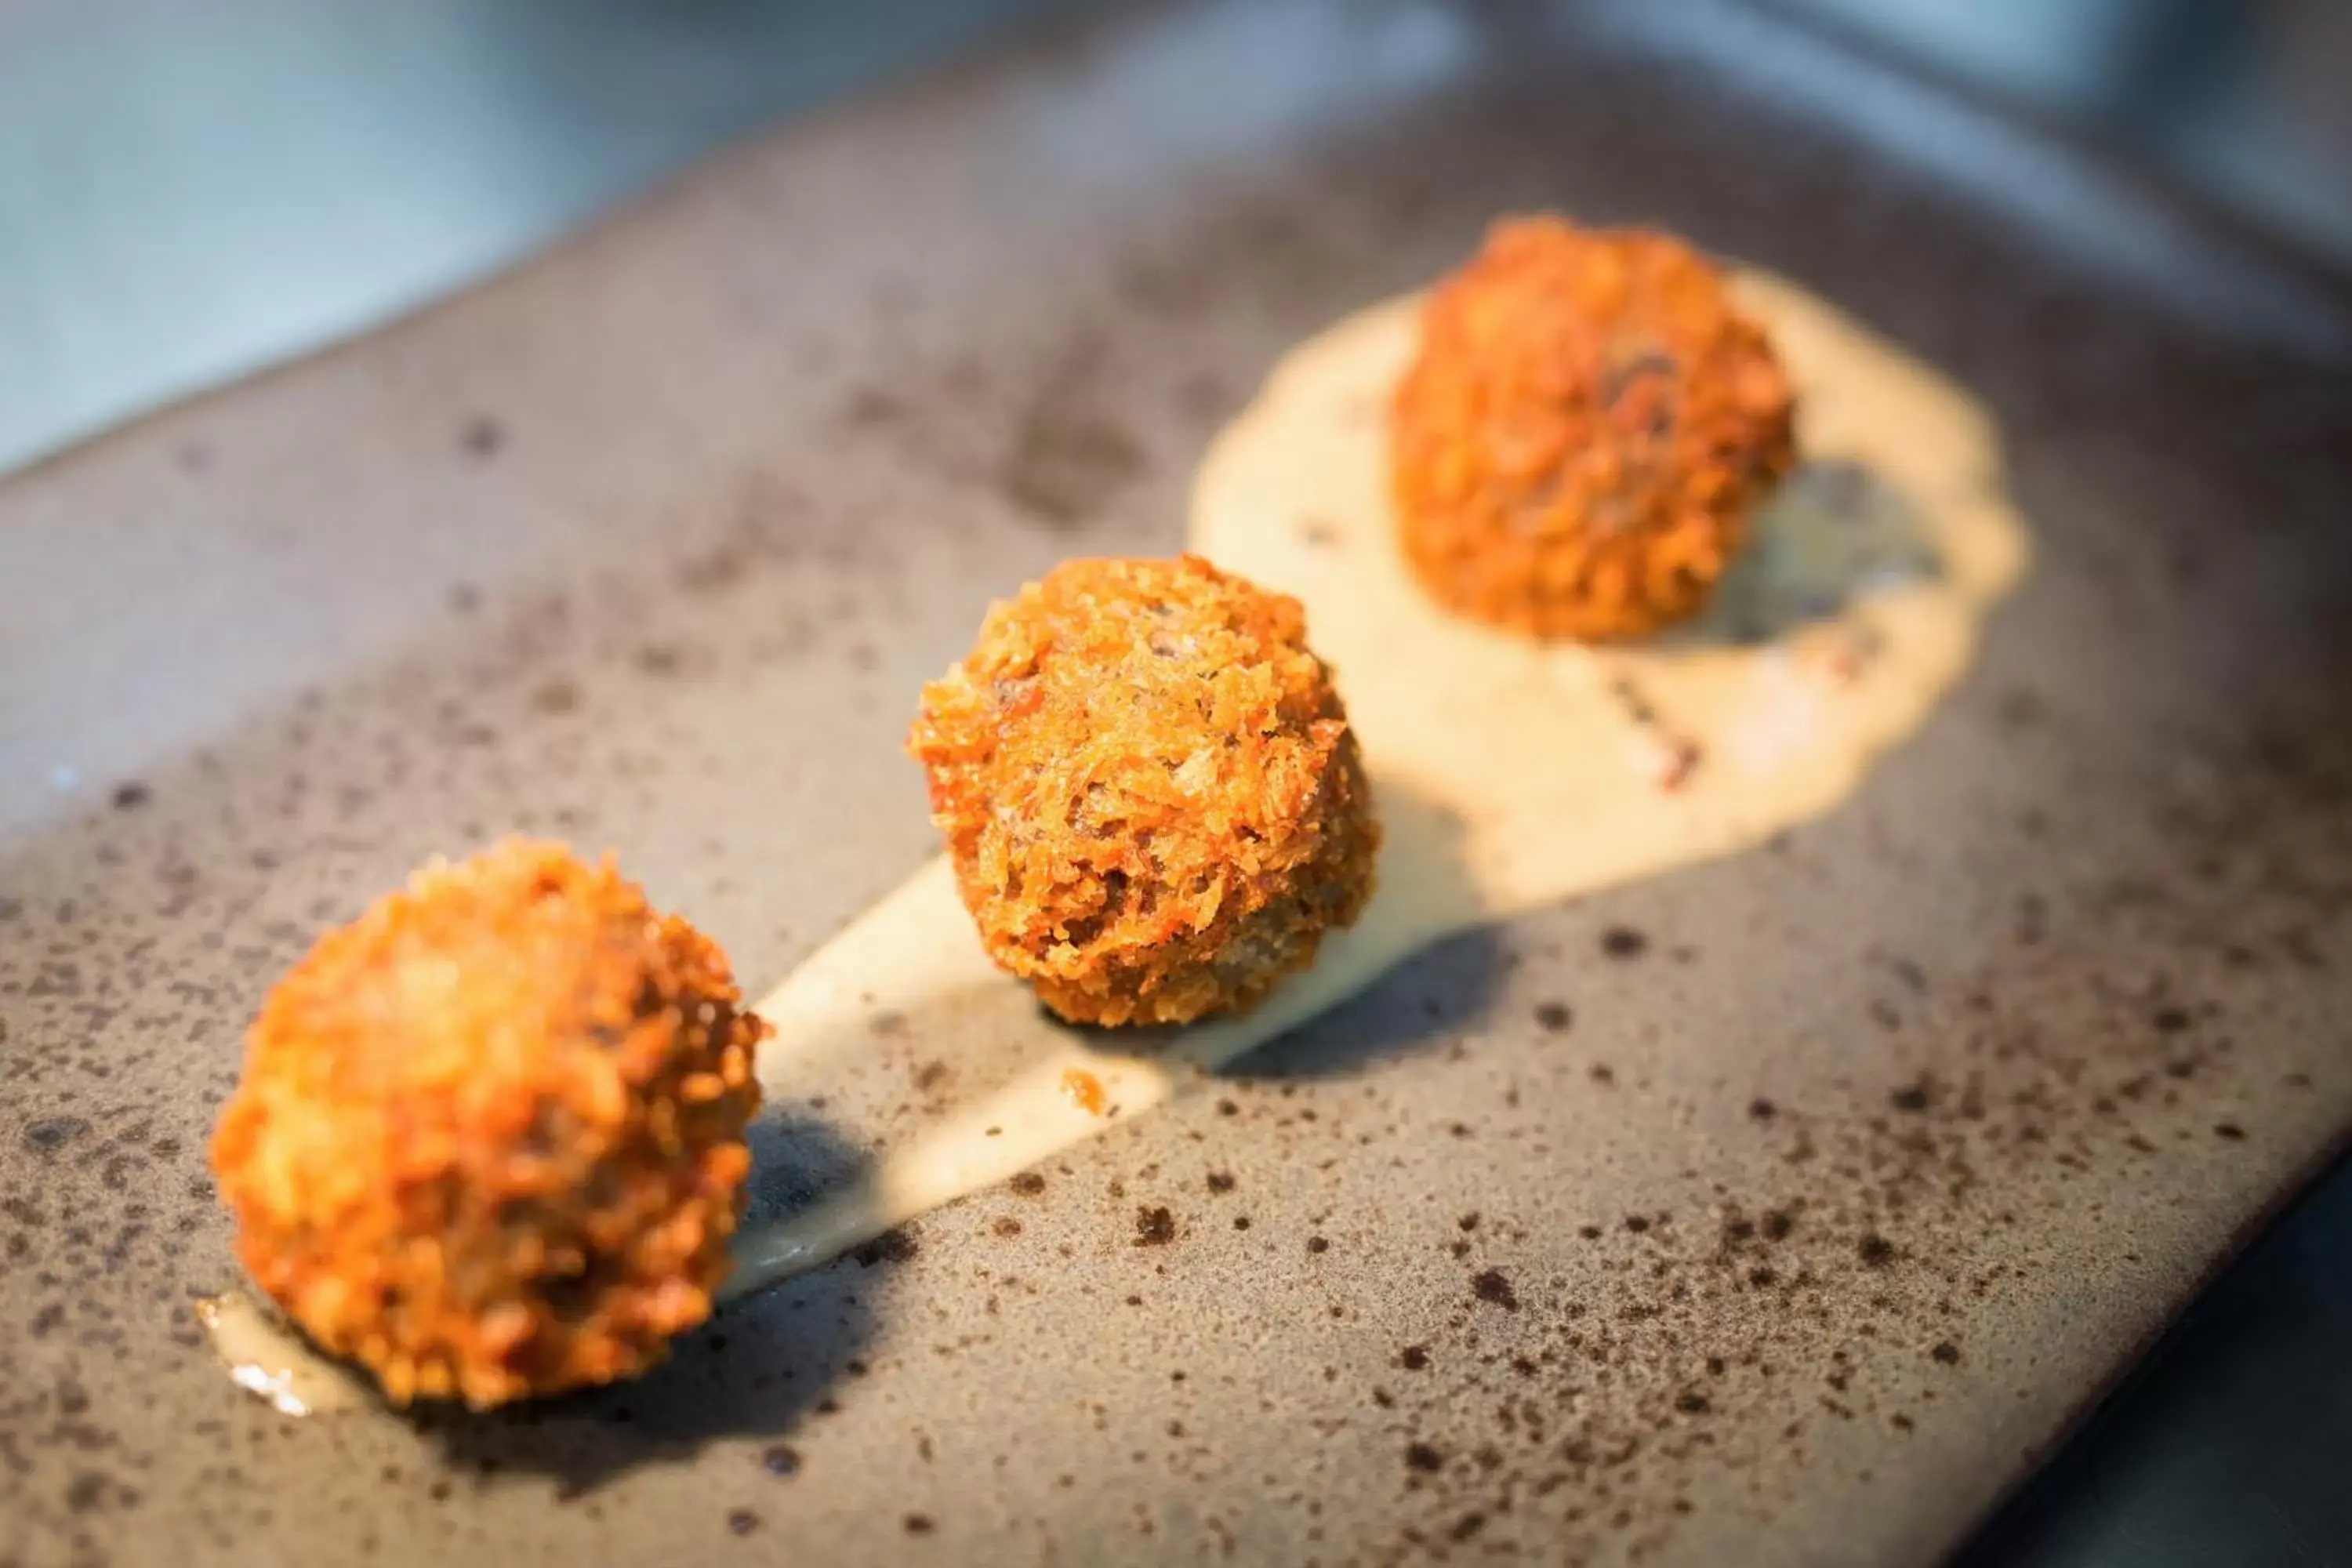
(1790, 1228)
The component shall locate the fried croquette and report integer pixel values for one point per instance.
(1578, 447)
(489, 1140)
(1149, 788)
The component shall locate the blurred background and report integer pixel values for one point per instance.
(192, 190)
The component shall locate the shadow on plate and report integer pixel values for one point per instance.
(1420, 1002)
(1835, 533)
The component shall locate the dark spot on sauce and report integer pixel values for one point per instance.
(2229, 1132)
(1413, 1358)
(1154, 1226)
(1947, 1352)
(1028, 1183)
(1874, 1250)
(1554, 1017)
(1221, 1180)
(1316, 1243)
(742, 1522)
(132, 795)
(919, 1524)
(781, 1461)
(1762, 1109)
(1422, 1457)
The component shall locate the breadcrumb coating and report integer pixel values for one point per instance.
(489, 1142)
(1578, 447)
(1149, 790)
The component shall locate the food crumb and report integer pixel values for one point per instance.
(1083, 1089)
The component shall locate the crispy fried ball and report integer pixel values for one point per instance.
(1578, 447)
(1149, 788)
(490, 1138)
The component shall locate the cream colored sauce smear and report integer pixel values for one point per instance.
(1508, 774)
(274, 1363)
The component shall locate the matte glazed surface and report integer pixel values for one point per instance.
(1783, 1208)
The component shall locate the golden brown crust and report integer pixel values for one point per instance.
(1577, 448)
(1149, 788)
(489, 1142)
